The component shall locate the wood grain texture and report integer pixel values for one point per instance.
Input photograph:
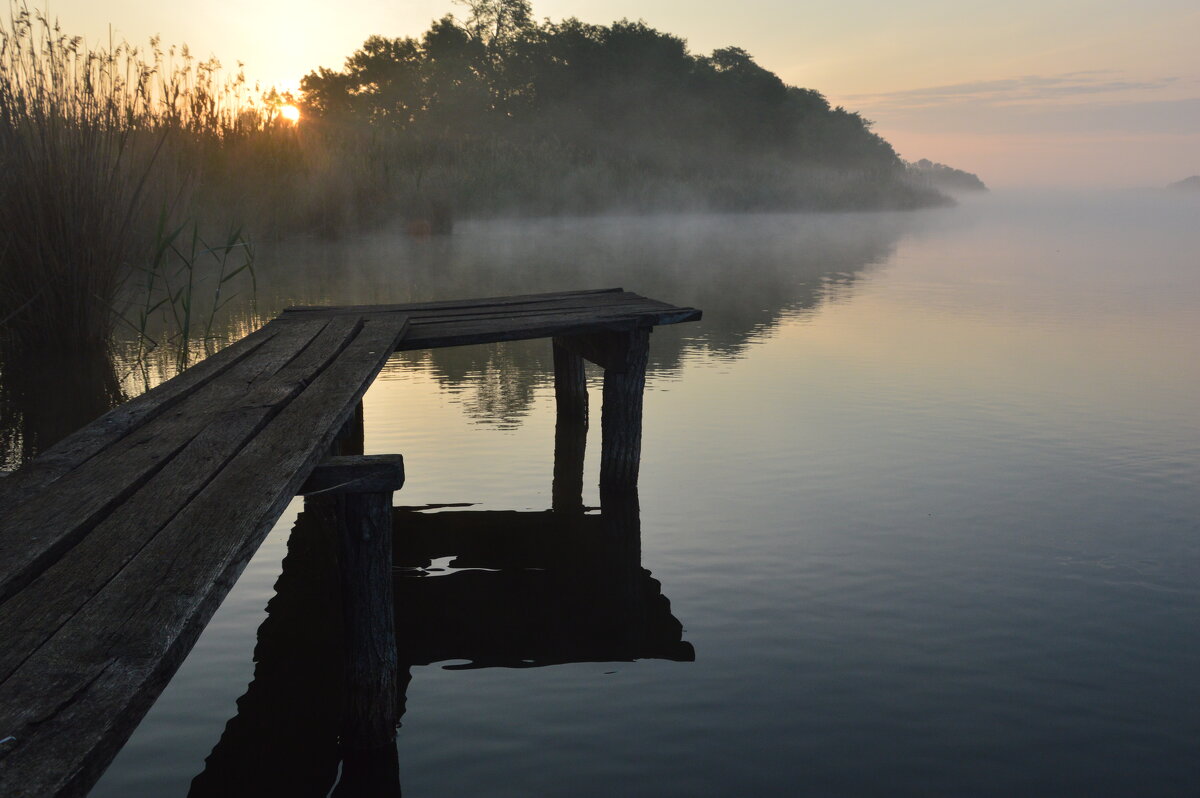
(78, 447)
(35, 613)
(74, 702)
(375, 473)
(448, 304)
(478, 321)
(621, 416)
(432, 337)
(48, 522)
(364, 532)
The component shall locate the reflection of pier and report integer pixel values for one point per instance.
(558, 587)
(528, 589)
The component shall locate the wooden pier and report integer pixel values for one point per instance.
(119, 543)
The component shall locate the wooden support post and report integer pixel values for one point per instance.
(621, 416)
(365, 559)
(351, 438)
(361, 490)
(570, 429)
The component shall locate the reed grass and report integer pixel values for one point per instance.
(185, 286)
(95, 144)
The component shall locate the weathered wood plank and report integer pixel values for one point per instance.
(566, 303)
(604, 302)
(458, 323)
(375, 473)
(37, 530)
(78, 447)
(635, 306)
(609, 351)
(82, 693)
(35, 613)
(413, 307)
(547, 327)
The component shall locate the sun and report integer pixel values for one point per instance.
(290, 112)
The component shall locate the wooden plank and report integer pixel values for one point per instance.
(612, 304)
(594, 301)
(74, 702)
(413, 307)
(631, 306)
(459, 323)
(38, 530)
(608, 304)
(36, 612)
(78, 447)
(607, 350)
(375, 473)
(428, 336)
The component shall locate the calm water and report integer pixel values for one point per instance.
(921, 490)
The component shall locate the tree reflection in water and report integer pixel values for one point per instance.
(45, 398)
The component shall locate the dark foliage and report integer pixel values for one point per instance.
(625, 103)
(944, 178)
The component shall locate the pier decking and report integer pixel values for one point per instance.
(119, 543)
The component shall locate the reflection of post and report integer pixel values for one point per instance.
(370, 774)
(620, 560)
(621, 417)
(284, 738)
(570, 429)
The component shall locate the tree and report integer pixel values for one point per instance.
(497, 22)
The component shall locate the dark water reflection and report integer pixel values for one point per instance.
(43, 399)
(482, 589)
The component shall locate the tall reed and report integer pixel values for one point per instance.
(95, 144)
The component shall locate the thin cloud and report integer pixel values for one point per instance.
(1026, 89)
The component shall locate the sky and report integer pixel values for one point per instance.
(1025, 93)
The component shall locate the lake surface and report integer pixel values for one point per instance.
(921, 490)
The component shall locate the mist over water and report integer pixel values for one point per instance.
(920, 488)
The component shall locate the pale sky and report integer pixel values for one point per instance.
(1024, 92)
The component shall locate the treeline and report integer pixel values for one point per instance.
(942, 177)
(586, 117)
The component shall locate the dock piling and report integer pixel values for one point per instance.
(621, 415)
(360, 490)
(570, 429)
(352, 436)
